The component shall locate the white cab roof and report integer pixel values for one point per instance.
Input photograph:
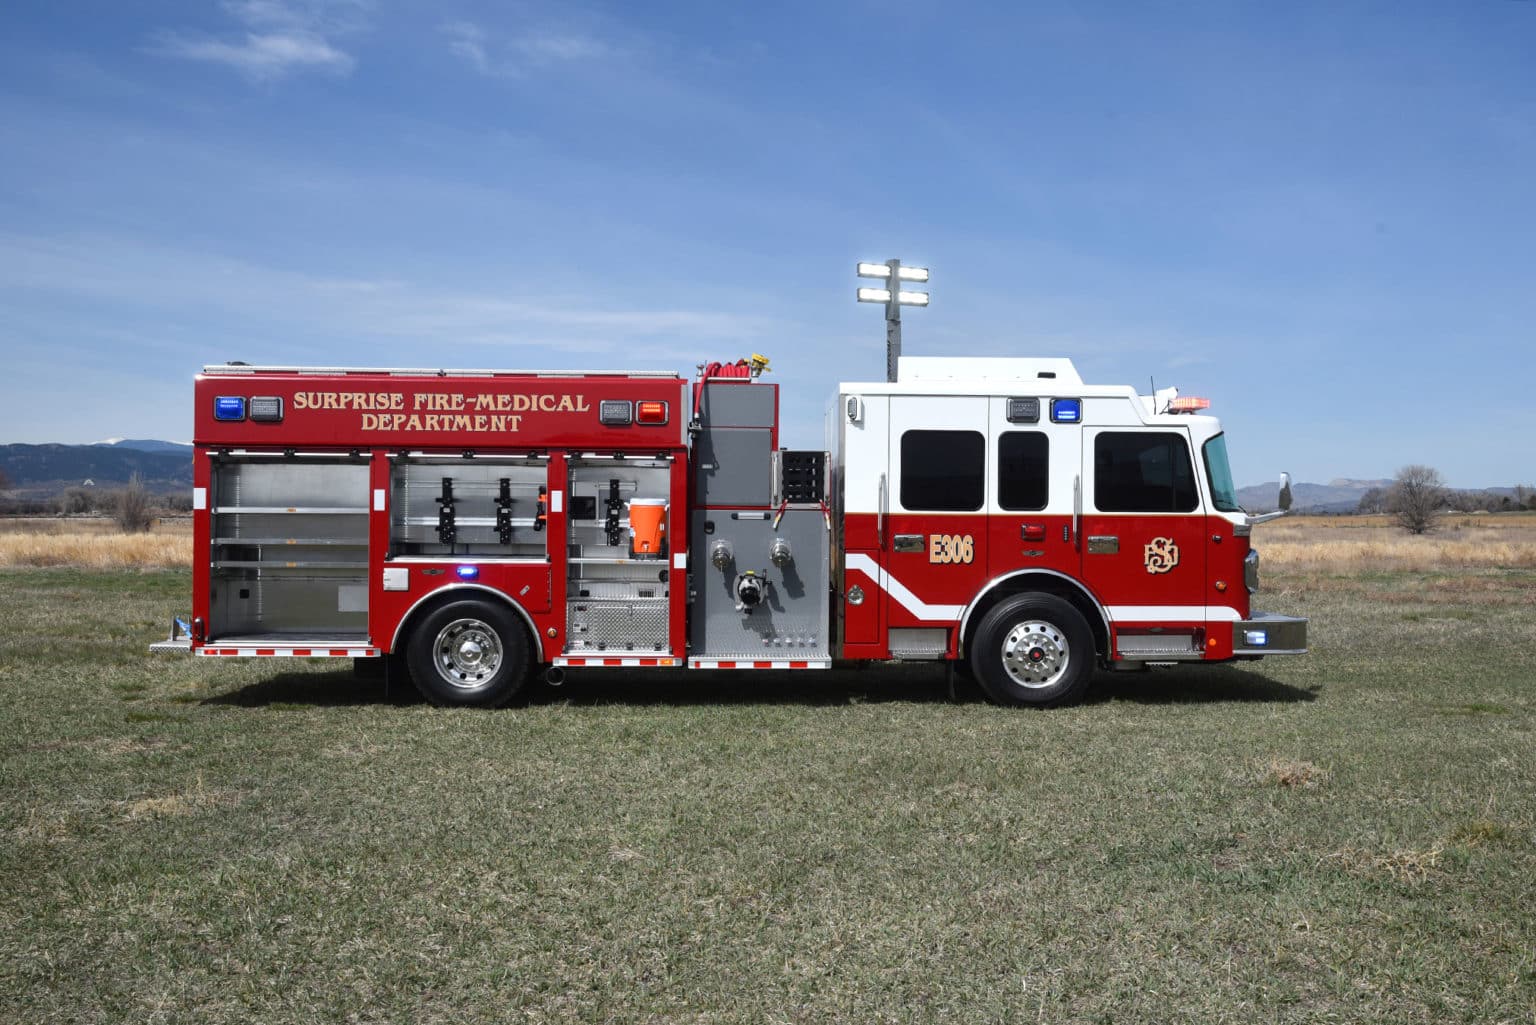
(987, 368)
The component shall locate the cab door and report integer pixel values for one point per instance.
(1143, 526)
(1035, 469)
(934, 542)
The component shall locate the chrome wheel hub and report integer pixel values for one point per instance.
(1035, 654)
(467, 653)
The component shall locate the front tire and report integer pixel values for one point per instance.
(469, 653)
(1035, 649)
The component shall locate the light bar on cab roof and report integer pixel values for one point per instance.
(1188, 405)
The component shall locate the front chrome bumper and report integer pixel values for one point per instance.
(1269, 633)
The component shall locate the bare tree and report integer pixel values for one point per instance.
(76, 502)
(1373, 501)
(1417, 494)
(133, 510)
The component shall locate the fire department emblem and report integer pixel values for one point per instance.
(1162, 555)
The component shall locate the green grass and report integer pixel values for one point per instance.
(1347, 837)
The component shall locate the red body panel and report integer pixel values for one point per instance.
(370, 410)
(919, 585)
(527, 583)
(1125, 577)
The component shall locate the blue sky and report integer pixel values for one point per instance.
(1320, 215)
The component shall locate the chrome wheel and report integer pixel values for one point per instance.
(1036, 654)
(467, 653)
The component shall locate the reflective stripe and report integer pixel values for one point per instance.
(634, 663)
(1172, 613)
(898, 591)
(290, 652)
(796, 663)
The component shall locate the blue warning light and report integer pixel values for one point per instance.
(1066, 411)
(468, 572)
(229, 407)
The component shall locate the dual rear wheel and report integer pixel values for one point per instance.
(469, 652)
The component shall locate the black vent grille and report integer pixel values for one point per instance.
(802, 476)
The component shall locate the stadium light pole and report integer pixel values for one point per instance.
(894, 299)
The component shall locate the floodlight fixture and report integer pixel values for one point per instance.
(893, 273)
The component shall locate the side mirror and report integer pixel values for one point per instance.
(1285, 492)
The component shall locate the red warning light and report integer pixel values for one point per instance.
(651, 412)
(1188, 405)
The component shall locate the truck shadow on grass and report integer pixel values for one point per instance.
(1198, 685)
(872, 685)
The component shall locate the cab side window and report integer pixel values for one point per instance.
(1023, 463)
(1143, 471)
(943, 471)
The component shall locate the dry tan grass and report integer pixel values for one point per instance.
(176, 805)
(1364, 543)
(93, 525)
(1288, 772)
(95, 550)
(1404, 866)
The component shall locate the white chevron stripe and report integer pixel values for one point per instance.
(897, 590)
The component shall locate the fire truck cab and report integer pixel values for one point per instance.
(1003, 512)
(470, 526)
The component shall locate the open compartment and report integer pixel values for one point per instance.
(289, 549)
(456, 508)
(619, 509)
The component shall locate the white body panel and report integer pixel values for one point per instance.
(866, 445)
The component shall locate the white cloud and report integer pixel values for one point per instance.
(280, 37)
(468, 41)
(366, 320)
(515, 54)
(262, 56)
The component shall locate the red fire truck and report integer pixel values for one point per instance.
(470, 527)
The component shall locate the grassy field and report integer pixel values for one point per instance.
(94, 543)
(1348, 837)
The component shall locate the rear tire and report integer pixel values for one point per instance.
(469, 653)
(1035, 649)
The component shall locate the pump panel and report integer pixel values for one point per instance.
(759, 592)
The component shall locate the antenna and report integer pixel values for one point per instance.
(1152, 383)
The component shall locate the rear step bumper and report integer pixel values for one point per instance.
(266, 645)
(321, 647)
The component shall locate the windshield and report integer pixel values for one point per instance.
(1219, 471)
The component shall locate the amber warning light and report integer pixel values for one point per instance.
(651, 412)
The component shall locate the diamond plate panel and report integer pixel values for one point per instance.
(617, 625)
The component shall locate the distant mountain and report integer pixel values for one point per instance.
(1343, 495)
(147, 445)
(1339, 495)
(42, 470)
